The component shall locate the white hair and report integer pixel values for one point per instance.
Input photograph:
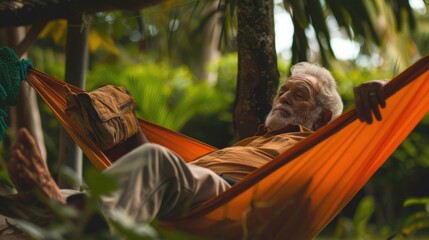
(328, 98)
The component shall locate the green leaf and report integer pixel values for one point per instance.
(364, 19)
(299, 13)
(299, 44)
(6, 186)
(340, 15)
(421, 224)
(416, 201)
(54, 231)
(130, 229)
(415, 217)
(100, 184)
(70, 175)
(363, 213)
(318, 19)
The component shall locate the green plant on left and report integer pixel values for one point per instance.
(67, 222)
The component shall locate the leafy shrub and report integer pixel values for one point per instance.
(163, 95)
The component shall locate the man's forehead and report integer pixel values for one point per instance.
(303, 79)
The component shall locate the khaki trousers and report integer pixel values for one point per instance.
(156, 182)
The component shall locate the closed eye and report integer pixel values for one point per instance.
(300, 96)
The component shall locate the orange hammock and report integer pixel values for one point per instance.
(297, 194)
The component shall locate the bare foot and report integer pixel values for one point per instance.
(27, 169)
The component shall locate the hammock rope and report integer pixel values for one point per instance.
(12, 72)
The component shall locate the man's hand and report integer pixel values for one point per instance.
(369, 96)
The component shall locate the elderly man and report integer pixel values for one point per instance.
(156, 182)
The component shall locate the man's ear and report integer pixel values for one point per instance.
(324, 118)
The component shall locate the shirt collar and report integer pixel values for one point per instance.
(262, 130)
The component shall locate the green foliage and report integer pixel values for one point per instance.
(418, 201)
(56, 231)
(6, 186)
(173, 235)
(215, 128)
(226, 69)
(361, 21)
(69, 222)
(163, 95)
(49, 60)
(349, 77)
(129, 229)
(418, 220)
(358, 225)
(100, 184)
(413, 152)
(363, 213)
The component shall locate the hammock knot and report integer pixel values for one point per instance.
(24, 64)
(12, 72)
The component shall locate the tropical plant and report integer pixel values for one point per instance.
(164, 95)
(358, 225)
(419, 220)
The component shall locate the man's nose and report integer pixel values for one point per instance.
(285, 98)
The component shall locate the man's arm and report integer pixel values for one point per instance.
(369, 97)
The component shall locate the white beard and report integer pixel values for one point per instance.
(278, 119)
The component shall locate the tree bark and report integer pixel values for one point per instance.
(258, 76)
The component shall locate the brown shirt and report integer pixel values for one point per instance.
(251, 153)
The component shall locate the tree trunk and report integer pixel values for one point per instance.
(258, 76)
(209, 44)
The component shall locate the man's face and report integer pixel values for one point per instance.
(295, 103)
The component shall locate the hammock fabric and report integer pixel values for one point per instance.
(297, 194)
